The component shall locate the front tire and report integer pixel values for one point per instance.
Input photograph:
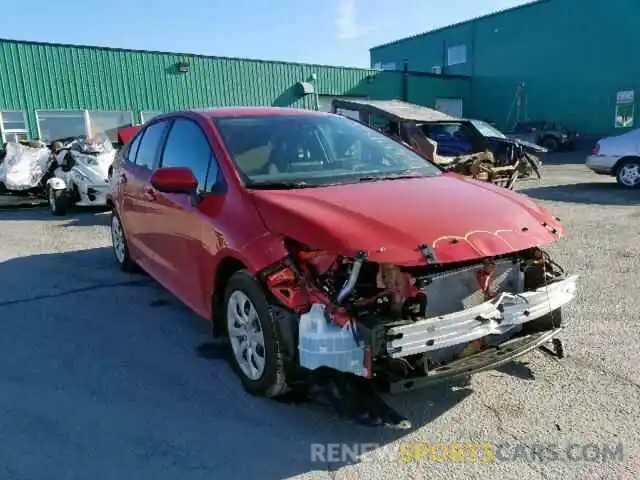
(57, 202)
(551, 144)
(120, 247)
(254, 334)
(628, 173)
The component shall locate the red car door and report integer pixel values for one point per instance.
(139, 211)
(186, 238)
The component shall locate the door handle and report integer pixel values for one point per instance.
(123, 178)
(149, 193)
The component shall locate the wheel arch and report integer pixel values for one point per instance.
(622, 160)
(286, 321)
(225, 269)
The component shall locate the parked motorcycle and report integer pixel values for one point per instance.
(81, 171)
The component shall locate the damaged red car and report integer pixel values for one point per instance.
(311, 241)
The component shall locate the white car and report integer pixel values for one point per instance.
(618, 156)
(82, 177)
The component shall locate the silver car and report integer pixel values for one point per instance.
(618, 156)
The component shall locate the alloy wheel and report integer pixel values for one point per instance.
(630, 175)
(117, 239)
(246, 335)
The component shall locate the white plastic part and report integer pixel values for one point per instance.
(23, 166)
(56, 183)
(494, 317)
(324, 344)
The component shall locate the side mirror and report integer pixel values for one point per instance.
(174, 180)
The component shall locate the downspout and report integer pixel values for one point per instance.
(314, 79)
(474, 26)
(405, 81)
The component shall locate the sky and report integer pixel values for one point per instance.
(331, 32)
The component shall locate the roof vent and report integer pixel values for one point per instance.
(304, 88)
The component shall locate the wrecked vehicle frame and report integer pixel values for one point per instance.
(487, 154)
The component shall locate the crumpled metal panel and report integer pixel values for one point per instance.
(459, 289)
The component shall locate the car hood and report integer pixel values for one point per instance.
(530, 147)
(457, 218)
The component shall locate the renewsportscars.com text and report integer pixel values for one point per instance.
(467, 452)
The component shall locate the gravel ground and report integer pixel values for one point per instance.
(99, 375)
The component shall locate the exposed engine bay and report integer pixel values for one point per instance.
(417, 324)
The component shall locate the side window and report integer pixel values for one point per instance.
(149, 145)
(132, 150)
(187, 146)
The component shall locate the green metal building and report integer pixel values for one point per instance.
(52, 91)
(570, 61)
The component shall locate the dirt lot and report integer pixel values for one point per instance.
(100, 377)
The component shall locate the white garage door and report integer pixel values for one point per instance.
(451, 106)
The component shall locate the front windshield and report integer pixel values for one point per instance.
(487, 130)
(315, 150)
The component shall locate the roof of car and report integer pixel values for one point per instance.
(397, 109)
(220, 112)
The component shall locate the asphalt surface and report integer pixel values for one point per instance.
(100, 376)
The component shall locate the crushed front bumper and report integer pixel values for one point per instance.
(494, 317)
(491, 358)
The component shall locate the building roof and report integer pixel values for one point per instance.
(482, 17)
(398, 109)
(181, 54)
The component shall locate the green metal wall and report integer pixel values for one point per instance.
(572, 56)
(35, 76)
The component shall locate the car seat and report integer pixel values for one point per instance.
(279, 158)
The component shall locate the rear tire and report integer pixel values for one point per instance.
(257, 344)
(120, 247)
(57, 202)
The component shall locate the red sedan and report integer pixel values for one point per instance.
(310, 240)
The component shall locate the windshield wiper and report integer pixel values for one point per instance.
(390, 176)
(278, 185)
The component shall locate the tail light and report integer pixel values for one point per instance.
(596, 150)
